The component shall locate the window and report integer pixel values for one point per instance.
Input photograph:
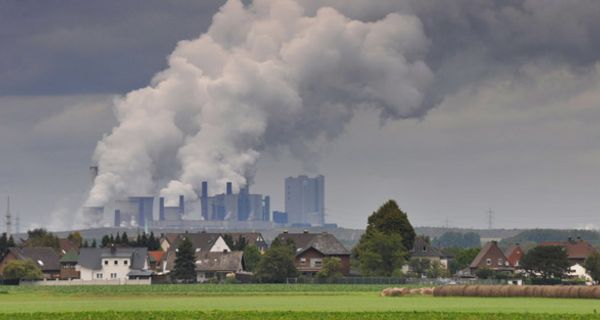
(500, 262)
(105, 262)
(302, 260)
(113, 275)
(98, 275)
(116, 262)
(424, 249)
(125, 262)
(316, 263)
(488, 261)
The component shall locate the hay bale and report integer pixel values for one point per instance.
(503, 291)
(486, 291)
(586, 292)
(439, 291)
(471, 291)
(596, 292)
(398, 292)
(515, 291)
(415, 291)
(394, 292)
(574, 291)
(537, 291)
(427, 291)
(564, 292)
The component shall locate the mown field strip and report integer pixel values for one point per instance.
(199, 315)
(349, 302)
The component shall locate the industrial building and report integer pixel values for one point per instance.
(304, 204)
(305, 200)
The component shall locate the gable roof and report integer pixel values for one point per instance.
(44, 257)
(490, 248)
(324, 242)
(202, 241)
(219, 261)
(422, 248)
(91, 258)
(576, 249)
(65, 245)
(156, 256)
(513, 254)
(70, 257)
(252, 238)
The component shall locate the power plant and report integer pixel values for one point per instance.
(304, 202)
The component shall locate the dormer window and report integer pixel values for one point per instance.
(424, 249)
(488, 261)
(500, 262)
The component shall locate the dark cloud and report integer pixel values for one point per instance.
(70, 47)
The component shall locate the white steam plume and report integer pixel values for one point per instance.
(262, 76)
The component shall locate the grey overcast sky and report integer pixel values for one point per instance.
(507, 113)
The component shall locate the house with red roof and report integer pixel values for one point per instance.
(514, 254)
(578, 250)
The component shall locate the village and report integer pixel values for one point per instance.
(232, 258)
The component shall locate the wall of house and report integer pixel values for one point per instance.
(307, 262)
(110, 270)
(493, 259)
(220, 246)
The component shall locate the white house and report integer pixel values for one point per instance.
(113, 263)
(202, 242)
(579, 271)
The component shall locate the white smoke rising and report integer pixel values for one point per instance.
(263, 76)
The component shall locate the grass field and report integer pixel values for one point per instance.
(270, 302)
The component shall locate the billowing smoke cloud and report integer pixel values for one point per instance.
(266, 76)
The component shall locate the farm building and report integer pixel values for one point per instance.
(312, 248)
(45, 258)
(491, 257)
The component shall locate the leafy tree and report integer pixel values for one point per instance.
(437, 270)
(185, 267)
(462, 258)
(251, 257)
(105, 242)
(41, 238)
(125, 239)
(383, 247)
(22, 270)
(484, 273)
(380, 254)
(235, 245)
(331, 269)
(390, 219)
(153, 242)
(592, 266)
(546, 262)
(419, 266)
(277, 264)
(5, 243)
(76, 238)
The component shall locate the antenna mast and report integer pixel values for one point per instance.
(490, 218)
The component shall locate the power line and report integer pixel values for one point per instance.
(490, 218)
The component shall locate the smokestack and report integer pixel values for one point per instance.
(117, 218)
(267, 209)
(229, 188)
(181, 205)
(161, 209)
(93, 173)
(204, 200)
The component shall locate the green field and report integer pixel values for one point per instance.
(270, 302)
